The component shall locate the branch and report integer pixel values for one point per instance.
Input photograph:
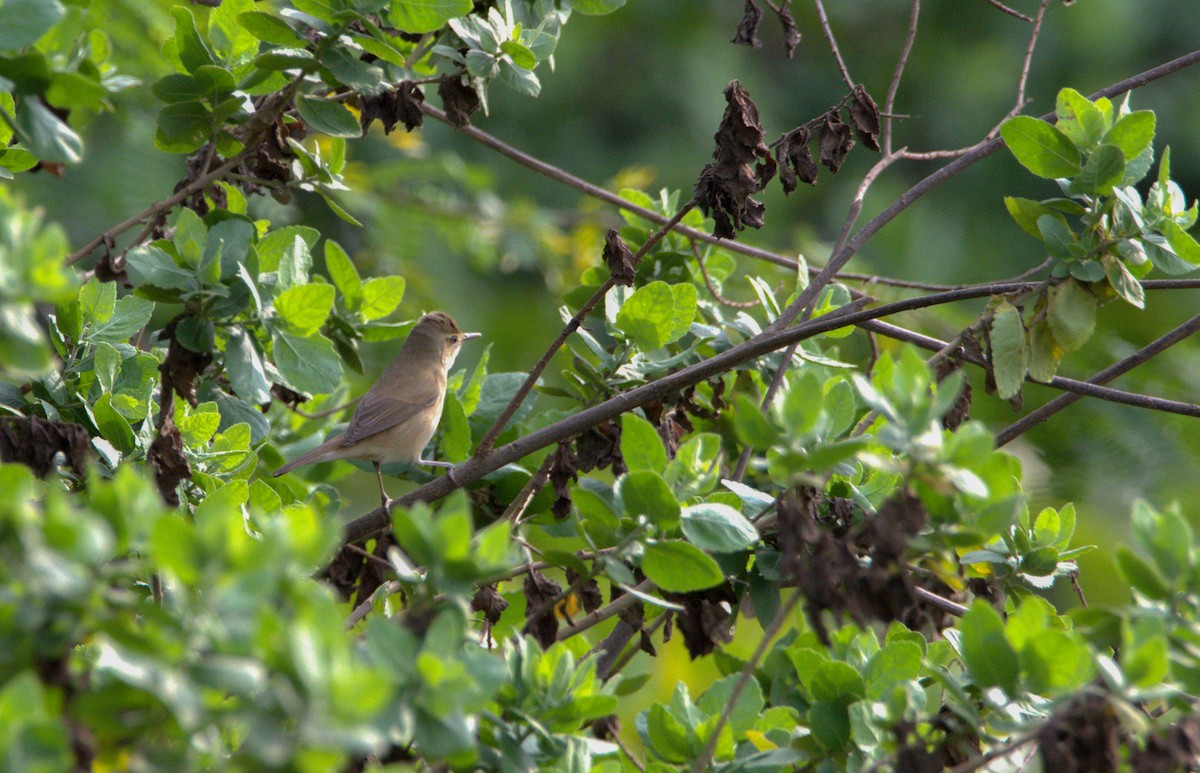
(902, 60)
(1009, 11)
(839, 258)
(485, 444)
(1039, 415)
(605, 612)
(833, 46)
(764, 343)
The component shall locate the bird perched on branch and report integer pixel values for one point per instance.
(395, 419)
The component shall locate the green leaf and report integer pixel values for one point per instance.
(641, 447)
(666, 735)
(644, 492)
(130, 314)
(1124, 282)
(718, 528)
(1141, 575)
(1166, 536)
(108, 363)
(1040, 148)
(1056, 661)
(268, 28)
(1104, 168)
(456, 431)
(45, 135)
(1071, 313)
(327, 116)
(1132, 133)
(420, 16)
(898, 662)
(657, 314)
(309, 364)
(752, 426)
(380, 296)
(192, 50)
(521, 56)
(837, 681)
(22, 22)
(149, 265)
(344, 275)
(990, 659)
(1010, 357)
(746, 711)
(678, 567)
(113, 426)
(1059, 239)
(305, 307)
(1182, 243)
(183, 126)
(1026, 213)
(596, 7)
(1079, 118)
(830, 723)
(281, 59)
(244, 365)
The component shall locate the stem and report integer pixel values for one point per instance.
(485, 445)
(710, 747)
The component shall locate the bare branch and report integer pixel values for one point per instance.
(902, 60)
(833, 46)
(1010, 11)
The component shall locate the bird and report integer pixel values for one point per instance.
(397, 416)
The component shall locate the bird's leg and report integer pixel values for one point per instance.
(384, 498)
(449, 468)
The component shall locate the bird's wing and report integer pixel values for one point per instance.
(377, 412)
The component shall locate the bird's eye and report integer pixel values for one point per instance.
(453, 339)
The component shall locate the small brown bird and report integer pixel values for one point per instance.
(396, 417)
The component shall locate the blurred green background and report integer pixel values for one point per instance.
(635, 99)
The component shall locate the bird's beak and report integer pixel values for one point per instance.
(469, 336)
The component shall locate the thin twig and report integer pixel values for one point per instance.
(1028, 61)
(716, 294)
(516, 508)
(944, 604)
(768, 635)
(833, 46)
(1009, 11)
(901, 61)
(605, 612)
(322, 414)
(1017, 428)
(489, 437)
(1003, 750)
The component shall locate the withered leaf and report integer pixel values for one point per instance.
(564, 468)
(459, 100)
(743, 165)
(166, 458)
(619, 258)
(1082, 734)
(399, 105)
(791, 34)
(182, 367)
(36, 442)
(489, 601)
(540, 620)
(343, 571)
(865, 116)
(588, 592)
(600, 447)
(795, 159)
(606, 728)
(289, 397)
(835, 141)
(747, 28)
(961, 410)
(705, 620)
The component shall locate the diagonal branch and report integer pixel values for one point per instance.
(485, 444)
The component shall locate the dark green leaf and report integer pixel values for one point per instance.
(45, 135)
(1041, 148)
(830, 723)
(456, 431)
(149, 265)
(244, 364)
(193, 51)
(991, 660)
(268, 28)
(680, 568)
(308, 364)
(327, 117)
(644, 492)
(1104, 168)
(751, 423)
(286, 59)
(641, 447)
(1026, 213)
(183, 126)
(596, 7)
(718, 528)
(113, 426)
(22, 22)
(130, 314)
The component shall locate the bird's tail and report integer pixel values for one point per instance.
(322, 453)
